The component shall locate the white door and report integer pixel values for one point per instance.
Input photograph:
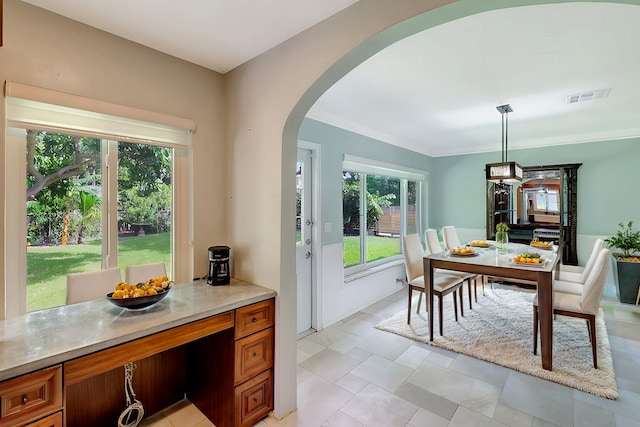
(304, 245)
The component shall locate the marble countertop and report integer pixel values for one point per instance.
(48, 337)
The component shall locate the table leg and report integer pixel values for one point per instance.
(428, 276)
(545, 310)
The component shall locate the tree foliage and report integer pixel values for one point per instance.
(64, 177)
(375, 201)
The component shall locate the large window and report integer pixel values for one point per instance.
(378, 209)
(67, 206)
(100, 192)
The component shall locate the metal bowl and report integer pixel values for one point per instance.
(138, 302)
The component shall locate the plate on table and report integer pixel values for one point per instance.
(479, 244)
(137, 303)
(530, 264)
(541, 245)
(463, 252)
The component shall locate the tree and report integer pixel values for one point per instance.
(53, 157)
(89, 209)
(351, 203)
(61, 167)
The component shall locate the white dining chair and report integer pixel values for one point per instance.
(91, 285)
(443, 284)
(450, 237)
(571, 278)
(584, 305)
(434, 247)
(143, 272)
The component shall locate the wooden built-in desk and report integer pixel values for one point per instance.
(213, 345)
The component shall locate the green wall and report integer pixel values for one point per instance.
(335, 143)
(457, 187)
(606, 194)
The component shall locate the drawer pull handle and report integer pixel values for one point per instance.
(254, 320)
(24, 399)
(255, 400)
(255, 354)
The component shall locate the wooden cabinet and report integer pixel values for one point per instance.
(32, 396)
(54, 420)
(254, 353)
(222, 363)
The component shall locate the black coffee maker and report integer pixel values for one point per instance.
(219, 273)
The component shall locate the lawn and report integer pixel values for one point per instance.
(48, 266)
(378, 247)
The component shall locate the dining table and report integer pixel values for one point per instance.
(487, 261)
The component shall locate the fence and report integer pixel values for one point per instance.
(389, 222)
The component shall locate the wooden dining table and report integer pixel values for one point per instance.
(488, 262)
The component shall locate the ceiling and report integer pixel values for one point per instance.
(435, 92)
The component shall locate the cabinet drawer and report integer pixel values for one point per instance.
(254, 354)
(31, 396)
(254, 318)
(54, 420)
(254, 399)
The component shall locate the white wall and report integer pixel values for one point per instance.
(341, 299)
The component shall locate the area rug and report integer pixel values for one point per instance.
(499, 329)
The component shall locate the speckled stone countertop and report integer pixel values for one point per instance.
(48, 337)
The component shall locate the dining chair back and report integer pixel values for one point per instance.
(434, 247)
(574, 273)
(413, 254)
(594, 285)
(143, 272)
(433, 244)
(597, 247)
(91, 285)
(450, 237)
(443, 284)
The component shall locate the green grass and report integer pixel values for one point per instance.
(48, 266)
(377, 248)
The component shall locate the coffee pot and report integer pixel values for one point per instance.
(219, 273)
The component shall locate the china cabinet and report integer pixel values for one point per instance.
(543, 206)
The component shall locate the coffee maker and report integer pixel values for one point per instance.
(219, 273)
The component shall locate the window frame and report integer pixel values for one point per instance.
(30, 113)
(404, 174)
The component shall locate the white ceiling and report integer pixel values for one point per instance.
(435, 92)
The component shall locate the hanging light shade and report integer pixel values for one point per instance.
(505, 171)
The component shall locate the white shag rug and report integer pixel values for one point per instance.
(499, 329)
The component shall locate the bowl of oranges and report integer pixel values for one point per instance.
(141, 295)
(529, 259)
(462, 251)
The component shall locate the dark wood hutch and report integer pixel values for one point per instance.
(543, 205)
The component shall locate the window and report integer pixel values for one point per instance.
(547, 201)
(100, 193)
(377, 210)
(67, 209)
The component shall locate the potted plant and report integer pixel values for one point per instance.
(627, 271)
(502, 238)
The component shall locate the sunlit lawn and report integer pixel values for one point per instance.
(48, 266)
(378, 247)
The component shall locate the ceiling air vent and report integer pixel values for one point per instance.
(588, 96)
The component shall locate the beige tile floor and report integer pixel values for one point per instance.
(351, 374)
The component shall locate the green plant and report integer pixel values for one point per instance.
(627, 240)
(502, 228)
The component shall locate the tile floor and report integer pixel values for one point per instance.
(351, 374)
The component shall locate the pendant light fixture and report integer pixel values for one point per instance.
(505, 171)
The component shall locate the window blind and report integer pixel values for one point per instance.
(30, 107)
